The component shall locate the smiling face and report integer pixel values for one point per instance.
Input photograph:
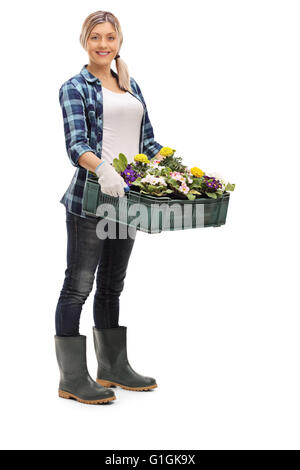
(103, 38)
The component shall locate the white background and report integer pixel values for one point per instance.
(211, 313)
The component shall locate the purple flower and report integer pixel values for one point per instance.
(211, 183)
(129, 175)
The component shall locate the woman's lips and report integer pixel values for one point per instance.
(102, 55)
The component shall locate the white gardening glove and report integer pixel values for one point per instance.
(110, 181)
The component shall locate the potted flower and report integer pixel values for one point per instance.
(169, 176)
(156, 186)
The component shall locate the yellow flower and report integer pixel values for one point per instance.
(141, 157)
(197, 172)
(167, 151)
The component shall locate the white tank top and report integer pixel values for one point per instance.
(122, 118)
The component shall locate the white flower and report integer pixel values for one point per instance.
(153, 165)
(148, 179)
(162, 181)
(151, 179)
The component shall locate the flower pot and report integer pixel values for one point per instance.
(154, 214)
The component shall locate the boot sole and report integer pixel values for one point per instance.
(108, 383)
(68, 395)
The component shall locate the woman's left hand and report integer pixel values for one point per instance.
(159, 157)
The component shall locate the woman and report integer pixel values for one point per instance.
(104, 113)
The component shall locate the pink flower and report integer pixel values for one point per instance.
(184, 188)
(177, 176)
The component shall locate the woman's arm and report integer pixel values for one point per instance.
(75, 127)
(89, 161)
(158, 156)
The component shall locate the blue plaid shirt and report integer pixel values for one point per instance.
(81, 101)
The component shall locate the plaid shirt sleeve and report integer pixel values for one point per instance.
(151, 147)
(75, 127)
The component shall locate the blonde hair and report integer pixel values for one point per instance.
(102, 17)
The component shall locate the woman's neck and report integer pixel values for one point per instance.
(103, 75)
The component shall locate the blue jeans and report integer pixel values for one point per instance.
(86, 251)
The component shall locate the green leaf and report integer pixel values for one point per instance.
(212, 195)
(117, 166)
(197, 183)
(194, 191)
(229, 187)
(190, 196)
(123, 160)
(152, 187)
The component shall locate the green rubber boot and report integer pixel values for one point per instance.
(75, 380)
(113, 366)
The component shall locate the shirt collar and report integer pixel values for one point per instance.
(90, 77)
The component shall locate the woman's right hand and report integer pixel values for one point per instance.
(110, 181)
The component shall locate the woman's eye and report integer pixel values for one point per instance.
(95, 37)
